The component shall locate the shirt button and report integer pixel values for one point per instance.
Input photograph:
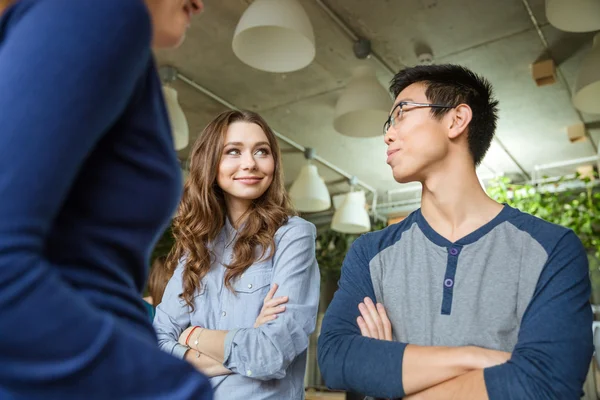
(249, 286)
(448, 283)
(249, 373)
(453, 251)
(223, 313)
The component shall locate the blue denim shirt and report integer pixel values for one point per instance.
(268, 362)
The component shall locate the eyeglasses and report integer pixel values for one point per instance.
(403, 106)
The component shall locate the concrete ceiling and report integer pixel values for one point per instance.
(494, 38)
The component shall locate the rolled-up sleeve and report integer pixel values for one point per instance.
(172, 317)
(265, 352)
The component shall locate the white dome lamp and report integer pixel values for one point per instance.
(574, 15)
(364, 105)
(179, 125)
(309, 192)
(352, 216)
(587, 86)
(275, 36)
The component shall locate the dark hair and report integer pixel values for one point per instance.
(453, 85)
(202, 212)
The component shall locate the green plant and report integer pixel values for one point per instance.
(577, 208)
(164, 244)
(332, 247)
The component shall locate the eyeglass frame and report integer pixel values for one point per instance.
(389, 122)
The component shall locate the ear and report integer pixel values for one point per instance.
(461, 117)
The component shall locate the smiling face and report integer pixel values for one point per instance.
(171, 19)
(417, 141)
(247, 165)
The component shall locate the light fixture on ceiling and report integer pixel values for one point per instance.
(309, 192)
(574, 15)
(275, 36)
(424, 54)
(352, 216)
(179, 125)
(364, 105)
(587, 86)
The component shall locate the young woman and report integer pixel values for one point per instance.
(88, 179)
(236, 237)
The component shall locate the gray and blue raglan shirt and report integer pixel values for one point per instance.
(517, 284)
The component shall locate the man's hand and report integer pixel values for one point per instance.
(271, 307)
(374, 322)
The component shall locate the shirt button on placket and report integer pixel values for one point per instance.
(224, 314)
(453, 251)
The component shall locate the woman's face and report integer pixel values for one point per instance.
(247, 165)
(171, 19)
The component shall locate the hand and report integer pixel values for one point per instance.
(374, 322)
(271, 307)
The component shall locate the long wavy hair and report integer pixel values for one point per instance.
(202, 211)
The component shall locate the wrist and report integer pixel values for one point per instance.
(184, 339)
(194, 339)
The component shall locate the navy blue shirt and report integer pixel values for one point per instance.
(88, 180)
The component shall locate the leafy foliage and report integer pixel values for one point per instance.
(332, 247)
(577, 208)
(164, 244)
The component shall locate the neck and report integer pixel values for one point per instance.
(454, 203)
(236, 208)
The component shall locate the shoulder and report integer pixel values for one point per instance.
(548, 235)
(296, 227)
(119, 10)
(370, 244)
(106, 18)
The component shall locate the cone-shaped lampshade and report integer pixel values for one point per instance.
(179, 125)
(364, 105)
(587, 86)
(308, 192)
(275, 36)
(352, 216)
(574, 15)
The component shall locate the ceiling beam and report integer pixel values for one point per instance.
(354, 37)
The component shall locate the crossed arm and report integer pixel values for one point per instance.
(205, 344)
(550, 360)
(261, 352)
(434, 372)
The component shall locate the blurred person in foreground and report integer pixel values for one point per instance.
(89, 178)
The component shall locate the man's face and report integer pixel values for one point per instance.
(416, 142)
